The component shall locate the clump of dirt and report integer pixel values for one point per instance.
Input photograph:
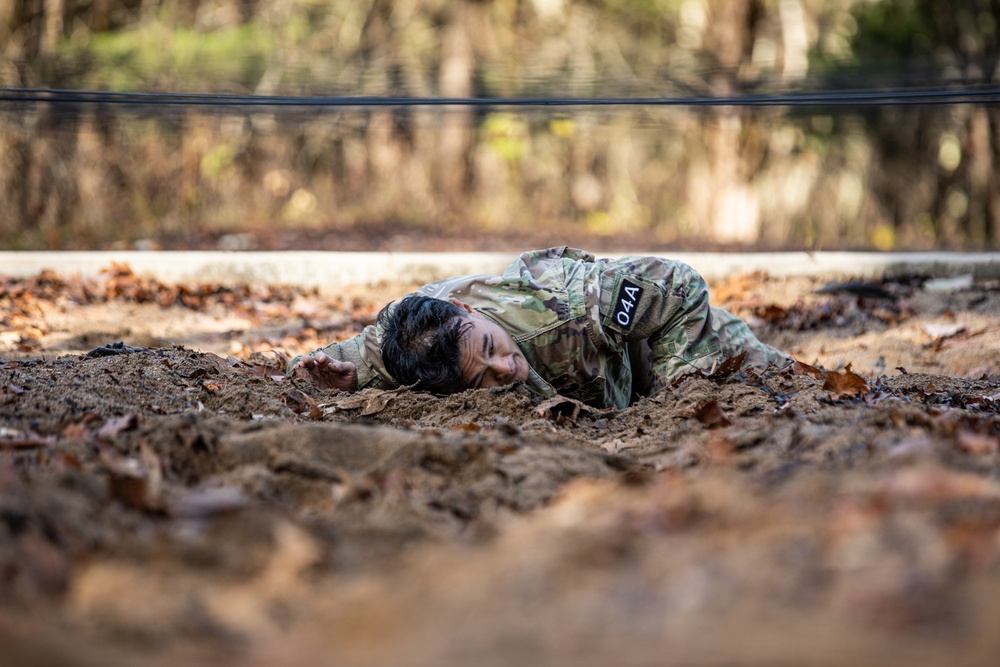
(174, 505)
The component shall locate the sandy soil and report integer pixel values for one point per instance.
(181, 503)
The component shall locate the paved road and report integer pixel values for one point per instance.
(366, 269)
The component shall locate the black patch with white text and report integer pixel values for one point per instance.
(626, 303)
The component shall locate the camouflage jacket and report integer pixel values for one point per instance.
(573, 316)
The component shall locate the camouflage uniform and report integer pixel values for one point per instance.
(576, 320)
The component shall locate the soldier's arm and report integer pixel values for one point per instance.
(666, 303)
(355, 352)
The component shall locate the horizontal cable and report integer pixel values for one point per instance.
(833, 98)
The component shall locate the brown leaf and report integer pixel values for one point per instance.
(135, 482)
(471, 428)
(127, 482)
(846, 384)
(801, 368)
(562, 407)
(79, 429)
(711, 415)
(729, 366)
(301, 402)
(371, 401)
(378, 402)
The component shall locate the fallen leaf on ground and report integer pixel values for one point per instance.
(728, 367)
(711, 415)
(471, 427)
(371, 401)
(801, 368)
(846, 384)
(79, 429)
(127, 481)
(301, 402)
(561, 406)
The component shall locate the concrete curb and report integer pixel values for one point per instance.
(370, 269)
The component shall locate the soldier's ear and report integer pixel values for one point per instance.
(464, 306)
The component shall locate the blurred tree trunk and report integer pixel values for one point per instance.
(53, 27)
(455, 79)
(732, 210)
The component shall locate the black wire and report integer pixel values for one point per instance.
(831, 98)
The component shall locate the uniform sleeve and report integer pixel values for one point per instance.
(359, 351)
(666, 303)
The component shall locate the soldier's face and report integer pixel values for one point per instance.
(488, 355)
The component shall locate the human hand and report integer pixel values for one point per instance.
(327, 373)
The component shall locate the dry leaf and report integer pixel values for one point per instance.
(801, 368)
(711, 415)
(729, 366)
(79, 429)
(846, 384)
(301, 402)
(472, 428)
(371, 401)
(562, 407)
(127, 480)
(378, 402)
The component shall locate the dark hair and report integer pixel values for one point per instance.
(420, 343)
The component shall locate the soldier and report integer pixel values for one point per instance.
(602, 331)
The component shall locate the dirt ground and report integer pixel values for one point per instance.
(175, 500)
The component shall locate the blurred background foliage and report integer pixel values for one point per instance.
(622, 177)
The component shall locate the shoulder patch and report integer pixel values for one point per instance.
(626, 302)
